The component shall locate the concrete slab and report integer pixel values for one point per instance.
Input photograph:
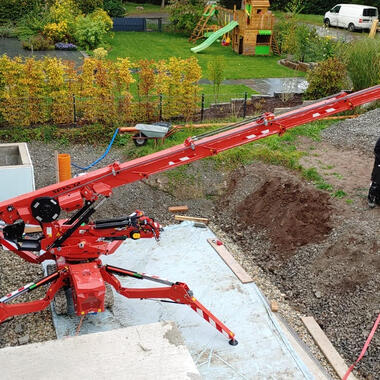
(154, 351)
(12, 47)
(183, 254)
(268, 86)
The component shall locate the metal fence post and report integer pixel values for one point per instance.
(160, 107)
(202, 106)
(245, 105)
(74, 109)
(160, 24)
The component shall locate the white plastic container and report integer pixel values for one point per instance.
(16, 170)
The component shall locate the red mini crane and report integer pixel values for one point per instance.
(77, 243)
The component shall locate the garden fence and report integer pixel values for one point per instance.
(138, 24)
(114, 110)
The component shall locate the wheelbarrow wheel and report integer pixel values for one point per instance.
(139, 139)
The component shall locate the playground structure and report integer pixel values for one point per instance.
(251, 28)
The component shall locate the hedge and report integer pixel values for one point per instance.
(35, 92)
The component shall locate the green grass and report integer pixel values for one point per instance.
(274, 149)
(307, 18)
(155, 45)
(312, 175)
(339, 194)
(148, 8)
(226, 93)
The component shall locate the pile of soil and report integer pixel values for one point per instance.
(323, 253)
(292, 215)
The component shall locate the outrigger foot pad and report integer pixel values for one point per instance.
(233, 342)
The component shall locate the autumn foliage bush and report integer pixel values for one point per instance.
(41, 91)
(328, 78)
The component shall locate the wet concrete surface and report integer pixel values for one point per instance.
(268, 86)
(339, 34)
(12, 47)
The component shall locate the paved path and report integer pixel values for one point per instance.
(268, 86)
(13, 48)
(339, 33)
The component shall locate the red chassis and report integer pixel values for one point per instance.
(80, 268)
(77, 243)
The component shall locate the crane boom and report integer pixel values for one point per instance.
(70, 194)
(77, 243)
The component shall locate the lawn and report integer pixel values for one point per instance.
(148, 8)
(155, 45)
(226, 93)
(307, 18)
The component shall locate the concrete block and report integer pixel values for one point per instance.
(16, 170)
(154, 351)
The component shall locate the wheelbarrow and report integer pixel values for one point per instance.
(159, 130)
(143, 132)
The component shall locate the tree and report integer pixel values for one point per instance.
(216, 74)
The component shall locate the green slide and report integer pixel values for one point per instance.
(219, 33)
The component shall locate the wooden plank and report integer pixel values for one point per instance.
(190, 218)
(326, 347)
(226, 256)
(178, 208)
(373, 29)
(274, 306)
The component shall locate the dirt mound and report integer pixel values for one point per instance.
(322, 252)
(292, 214)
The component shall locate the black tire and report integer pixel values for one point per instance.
(351, 27)
(327, 23)
(139, 139)
(60, 299)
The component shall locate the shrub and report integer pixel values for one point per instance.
(177, 82)
(13, 10)
(8, 30)
(38, 91)
(33, 23)
(102, 17)
(114, 8)
(363, 63)
(328, 78)
(88, 6)
(65, 10)
(185, 14)
(38, 42)
(100, 53)
(57, 31)
(303, 42)
(92, 29)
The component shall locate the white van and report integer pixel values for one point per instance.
(351, 16)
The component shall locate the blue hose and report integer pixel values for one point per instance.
(102, 156)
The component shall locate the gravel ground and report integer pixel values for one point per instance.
(336, 280)
(15, 272)
(360, 133)
(30, 328)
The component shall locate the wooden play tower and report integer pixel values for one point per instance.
(254, 34)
